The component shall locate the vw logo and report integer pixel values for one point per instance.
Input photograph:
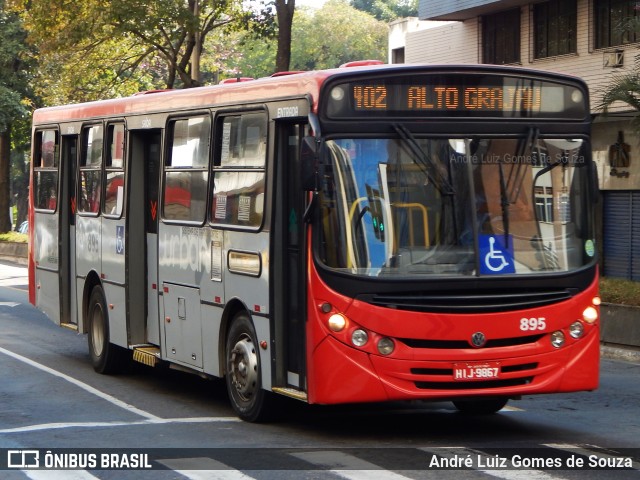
(478, 340)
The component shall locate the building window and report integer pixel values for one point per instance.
(501, 37)
(544, 204)
(616, 22)
(554, 26)
(397, 55)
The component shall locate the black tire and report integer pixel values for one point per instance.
(106, 357)
(243, 375)
(481, 406)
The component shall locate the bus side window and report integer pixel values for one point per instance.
(91, 170)
(114, 170)
(239, 170)
(46, 162)
(185, 175)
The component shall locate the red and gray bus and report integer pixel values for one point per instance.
(368, 233)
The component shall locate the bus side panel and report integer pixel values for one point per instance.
(183, 324)
(116, 303)
(183, 258)
(46, 259)
(153, 312)
(112, 273)
(251, 288)
(88, 241)
(113, 232)
(213, 301)
(211, 327)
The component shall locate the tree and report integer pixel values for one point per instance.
(13, 91)
(321, 38)
(20, 149)
(387, 10)
(285, 10)
(623, 88)
(335, 34)
(112, 45)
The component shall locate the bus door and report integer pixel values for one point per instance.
(113, 231)
(142, 239)
(289, 265)
(67, 205)
(46, 223)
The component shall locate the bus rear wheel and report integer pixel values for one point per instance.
(243, 375)
(481, 406)
(106, 357)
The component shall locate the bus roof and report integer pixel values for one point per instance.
(296, 84)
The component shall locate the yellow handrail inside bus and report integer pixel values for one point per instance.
(425, 221)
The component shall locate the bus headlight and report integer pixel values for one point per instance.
(576, 329)
(337, 94)
(590, 315)
(557, 339)
(359, 337)
(386, 346)
(336, 322)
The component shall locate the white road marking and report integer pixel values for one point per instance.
(347, 466)
(55, 426)
(84, 386)
(203, 469)
(58, 475)
(9, 304)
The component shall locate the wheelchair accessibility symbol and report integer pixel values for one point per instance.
(120, 240)
(496, 255)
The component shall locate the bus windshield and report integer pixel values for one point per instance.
(419, 206)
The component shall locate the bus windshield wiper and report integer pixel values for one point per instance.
(424, 160)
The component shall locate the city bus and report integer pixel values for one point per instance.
(368, 233)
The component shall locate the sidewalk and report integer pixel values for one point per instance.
(13, 275)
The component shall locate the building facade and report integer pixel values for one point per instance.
(596, 40)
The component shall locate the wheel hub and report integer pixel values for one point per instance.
(243, 363)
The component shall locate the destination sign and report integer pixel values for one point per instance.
(456, 95)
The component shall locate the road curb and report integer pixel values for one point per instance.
(617, 353)
(14, 252)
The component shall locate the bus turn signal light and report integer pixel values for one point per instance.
(336, 322)
(590, 315)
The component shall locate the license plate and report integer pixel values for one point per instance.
(476, 371)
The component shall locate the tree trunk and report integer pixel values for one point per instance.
(5, 179)
(285, 10)
(20, 186)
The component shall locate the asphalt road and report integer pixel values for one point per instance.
(51, 399)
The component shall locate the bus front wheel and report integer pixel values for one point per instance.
(105, 357)
(243, 376)
(481, 406)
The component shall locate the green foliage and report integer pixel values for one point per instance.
(92, 49)
(623, 88)
(335, 34)
(11, 107)
(321, 38)
(14, 237)
(387, 10)
(619, 291)
(13, 62)
(16, 62)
